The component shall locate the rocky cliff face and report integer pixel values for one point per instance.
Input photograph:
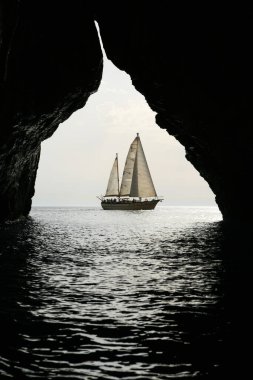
(50, 61)
(193, 65)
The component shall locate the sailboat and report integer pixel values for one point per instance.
(137, 191)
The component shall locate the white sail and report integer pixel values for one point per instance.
(127, 177)
(113, 183)
(136, 180)
(142, 184)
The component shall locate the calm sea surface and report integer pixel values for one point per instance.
(93, 294)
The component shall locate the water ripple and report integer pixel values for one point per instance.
(87, 294)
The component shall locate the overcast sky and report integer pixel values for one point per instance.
(76, 161)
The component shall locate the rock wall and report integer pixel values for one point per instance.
(192, 64)
(50, 63)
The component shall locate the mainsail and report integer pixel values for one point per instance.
(128, 169)
(113, 183)
(136, 180)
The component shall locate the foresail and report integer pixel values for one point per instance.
(128, 169)
(142, 184)
(113, 183)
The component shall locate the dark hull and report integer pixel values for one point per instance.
(148, 205)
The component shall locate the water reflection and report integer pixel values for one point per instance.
(96, 300)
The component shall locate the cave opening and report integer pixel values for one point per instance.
(75, 162)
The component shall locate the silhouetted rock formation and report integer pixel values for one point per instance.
(194, 67)
(50, 61)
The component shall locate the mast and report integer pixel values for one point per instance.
(134, 190)
(113, 183)
(118, 173)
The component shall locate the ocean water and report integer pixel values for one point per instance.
(93, 294)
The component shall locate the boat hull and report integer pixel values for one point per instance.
(145, 205)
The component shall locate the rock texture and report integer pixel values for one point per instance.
(193, 65)
(50, 63)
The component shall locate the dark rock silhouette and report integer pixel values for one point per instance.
(51, 61)
(193, 65)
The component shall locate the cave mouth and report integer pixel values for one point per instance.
(75, 162)
(50, 72)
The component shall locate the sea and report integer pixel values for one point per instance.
(93, 294)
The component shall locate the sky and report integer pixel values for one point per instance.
(76, 161)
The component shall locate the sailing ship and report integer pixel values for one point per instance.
(137, 191)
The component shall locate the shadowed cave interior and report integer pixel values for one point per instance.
(195, 73)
